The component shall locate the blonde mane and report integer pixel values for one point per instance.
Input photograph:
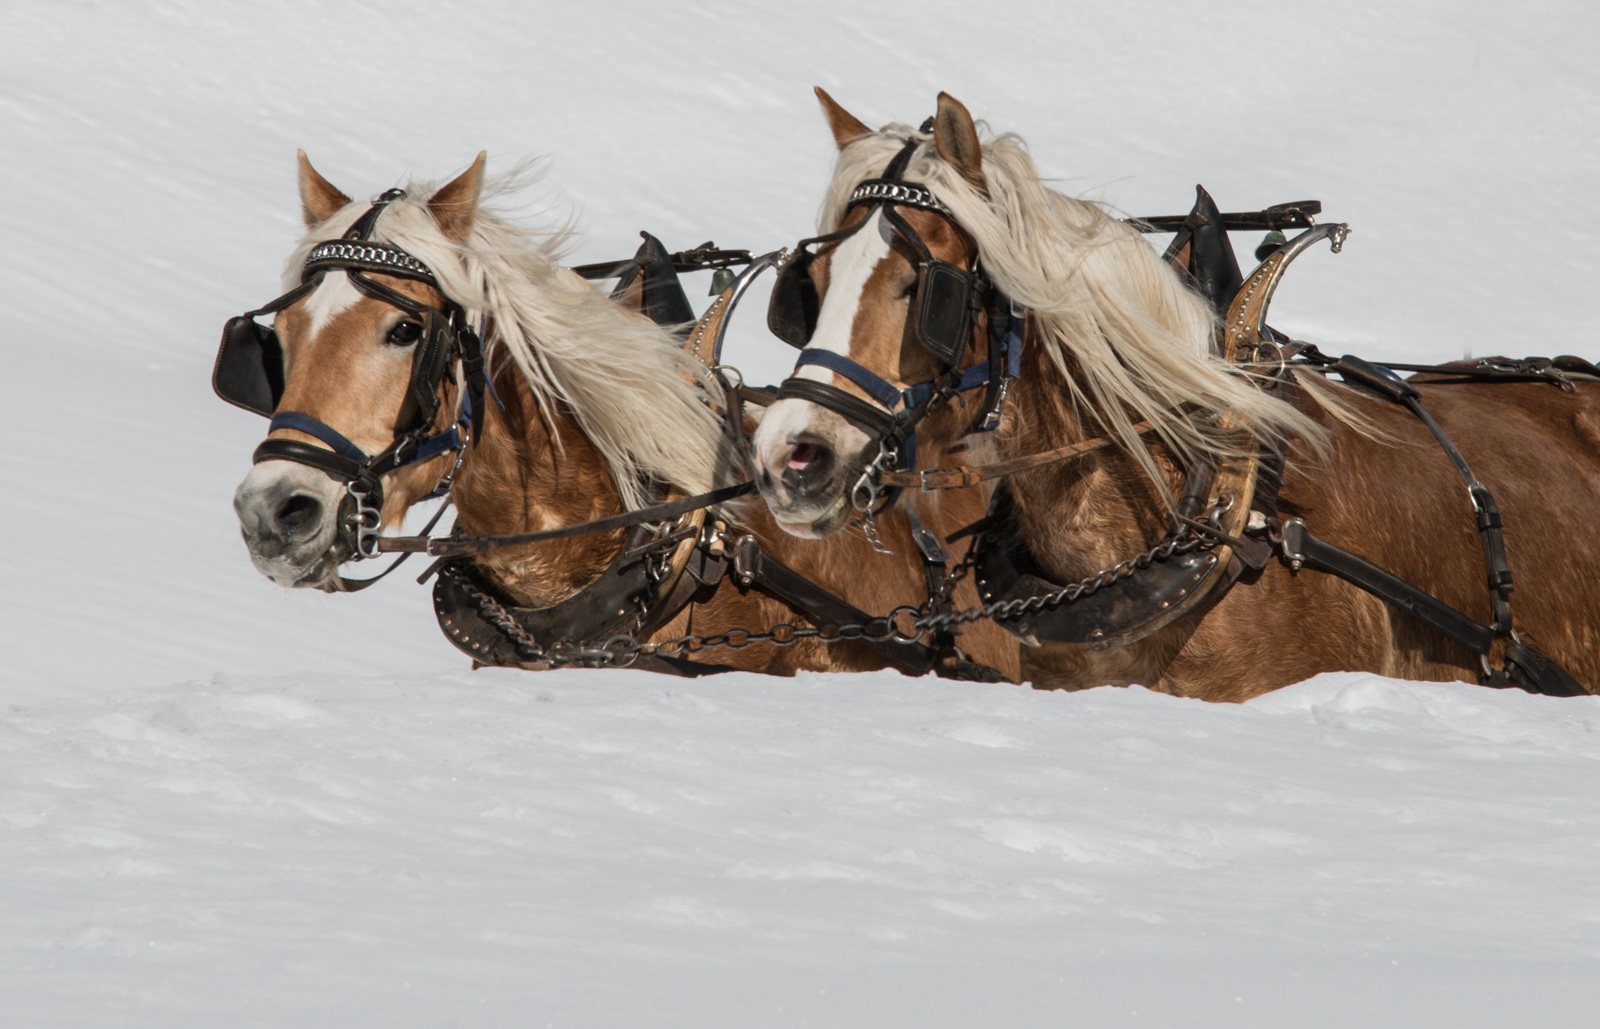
(633, 391)
(1095, 292)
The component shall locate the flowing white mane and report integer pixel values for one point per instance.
(1140, 340)
(627, 382)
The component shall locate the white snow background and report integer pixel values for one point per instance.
(226, 804)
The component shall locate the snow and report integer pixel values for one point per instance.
(231, 804)
(622, 850)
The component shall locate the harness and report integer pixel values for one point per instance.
(1196, 565)
(249, 373)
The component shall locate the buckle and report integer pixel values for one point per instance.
(991, 421)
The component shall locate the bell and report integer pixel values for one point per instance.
(721, 279)
(1270, 242)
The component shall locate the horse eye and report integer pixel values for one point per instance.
(909, 291)
(404, 334)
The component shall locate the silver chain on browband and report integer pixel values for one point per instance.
(372, 255)
(904, 193)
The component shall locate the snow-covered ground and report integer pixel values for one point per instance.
(229, 804)
(621, 850)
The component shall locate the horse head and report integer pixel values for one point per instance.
(892, 314)
(358, 373)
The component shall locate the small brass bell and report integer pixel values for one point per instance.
(1270, 242)
(722, 278)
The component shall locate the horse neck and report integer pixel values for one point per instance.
(1084, 514)
(520, 476)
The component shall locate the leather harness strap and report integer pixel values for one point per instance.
(756, 567)
(964, 476)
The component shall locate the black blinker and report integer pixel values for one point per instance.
(945, 295)
(249, 369)
(792, 312)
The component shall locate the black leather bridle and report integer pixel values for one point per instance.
(249, 373)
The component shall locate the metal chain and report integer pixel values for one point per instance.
(864, 497)
(623, 650)
(1180, 543)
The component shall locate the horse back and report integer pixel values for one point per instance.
(1399, 502)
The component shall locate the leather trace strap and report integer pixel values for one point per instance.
(754, 566)
(1526, 667)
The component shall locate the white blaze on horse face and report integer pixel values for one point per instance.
(850, 266)
(328, 299)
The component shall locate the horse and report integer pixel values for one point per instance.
(568, 409)
(1119, 415)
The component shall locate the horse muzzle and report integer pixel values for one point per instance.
(805, 479)
(293, 522)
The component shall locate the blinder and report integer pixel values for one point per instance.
(946, 297)
(793, 309)
(249, 368)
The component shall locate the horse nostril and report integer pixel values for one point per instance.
(807, 467)
(300, 515)
(802, 455)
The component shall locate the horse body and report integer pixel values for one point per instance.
(591, 404)
(1113, 336)
(1389, 495)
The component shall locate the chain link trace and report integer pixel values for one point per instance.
(622, 650)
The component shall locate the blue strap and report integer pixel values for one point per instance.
(321, 430)
(881, 391)
(501, 404)
(1011, 347)
(433, 446)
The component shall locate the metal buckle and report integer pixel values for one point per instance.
(992, 419)
(929, 544)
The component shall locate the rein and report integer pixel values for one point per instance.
(463, 546)
(965, 476)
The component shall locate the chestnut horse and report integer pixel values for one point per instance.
(587, 406)
(1112, 337)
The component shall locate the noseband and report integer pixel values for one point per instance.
(948, 300)
(249, 373)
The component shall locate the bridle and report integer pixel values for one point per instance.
(941, 320)
(249, 373)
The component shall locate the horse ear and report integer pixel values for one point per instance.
(847, 128)
(455, 206)
(957, 139)
(318, 197)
